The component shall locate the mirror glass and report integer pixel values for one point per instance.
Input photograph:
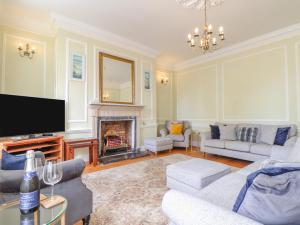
(117, 79)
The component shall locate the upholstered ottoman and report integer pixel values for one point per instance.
(192, 175)
(158, 144)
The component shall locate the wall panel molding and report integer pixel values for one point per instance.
(143, 90)
(297, 51)
(68, 63)
(286, 86)
(216, 99)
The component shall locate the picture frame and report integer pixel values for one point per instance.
(147, 80)
(77, 67)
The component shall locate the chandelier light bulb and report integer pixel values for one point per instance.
(196, 32)
(221, 30)
(214, 41)
(189, 37)
(192, 43)
(210, 28)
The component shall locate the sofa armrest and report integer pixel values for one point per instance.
(184, 209)
(71, 169)
(290, 142)
(10, 180)
(204, 135)
(163, 132)
(280, 153)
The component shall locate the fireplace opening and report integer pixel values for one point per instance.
(117, 136)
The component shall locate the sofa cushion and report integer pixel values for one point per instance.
(215, 131)
(248, 134)
(176, 128)
(238, 145)
(281, 135)
(227, 132)
(292, 131)
(224, 191)
(268, 133)
(215, 143)
(261, 149)
(269, 196)
(12, 162)
(175, 137)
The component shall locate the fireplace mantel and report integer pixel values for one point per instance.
(97, 110)
(108, 105)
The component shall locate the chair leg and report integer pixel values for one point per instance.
(86, 220)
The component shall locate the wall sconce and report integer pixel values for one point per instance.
(28, 51)
(106, 96)
(164, 80)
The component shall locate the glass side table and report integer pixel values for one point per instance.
(10, 215)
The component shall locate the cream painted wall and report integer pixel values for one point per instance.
(47, 74)
(257, 85)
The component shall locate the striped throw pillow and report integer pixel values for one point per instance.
(247, 134)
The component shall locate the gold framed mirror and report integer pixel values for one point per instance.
(117, 84)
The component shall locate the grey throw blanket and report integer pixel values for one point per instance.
(271, 196)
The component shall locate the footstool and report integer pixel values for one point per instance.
(158, 144)
(192, 175)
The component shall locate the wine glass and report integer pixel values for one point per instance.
(39, 167)
(52, 174)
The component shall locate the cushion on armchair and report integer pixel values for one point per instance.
(176, 128)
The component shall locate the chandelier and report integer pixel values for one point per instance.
(199, 4)
(207, 41)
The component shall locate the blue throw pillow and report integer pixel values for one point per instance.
(281, 135)
(215, 131)
(12, 162)
(269, 196)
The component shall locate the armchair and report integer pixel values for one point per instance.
(71, 187)
(182, 140)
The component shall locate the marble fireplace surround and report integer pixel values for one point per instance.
(100, 111)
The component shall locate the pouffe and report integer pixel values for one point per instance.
(192, 175)
(158, 144)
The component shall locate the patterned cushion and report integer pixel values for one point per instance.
(281, 135)
(248, 134)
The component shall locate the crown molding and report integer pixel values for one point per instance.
(265, 39)
(27, 24)
(87, 30)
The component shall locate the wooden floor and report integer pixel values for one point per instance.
(194, 153)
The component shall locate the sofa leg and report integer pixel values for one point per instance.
(186, 149)
(86, 220)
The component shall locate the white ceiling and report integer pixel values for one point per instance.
(163, 24)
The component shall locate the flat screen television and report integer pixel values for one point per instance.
(21, 115)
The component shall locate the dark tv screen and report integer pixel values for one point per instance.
(21, 115)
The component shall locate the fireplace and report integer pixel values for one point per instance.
(117, 135)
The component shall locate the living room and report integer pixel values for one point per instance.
(182, 112)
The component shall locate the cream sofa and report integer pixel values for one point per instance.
(213, 204)
(245, 150)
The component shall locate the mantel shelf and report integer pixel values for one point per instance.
(115, 105)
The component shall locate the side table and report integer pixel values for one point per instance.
(10, 214)
(91, 143)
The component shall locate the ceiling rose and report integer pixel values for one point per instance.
(199, 4)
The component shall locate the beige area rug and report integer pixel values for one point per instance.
(131, 194)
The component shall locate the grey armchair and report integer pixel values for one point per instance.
(79, 197)
(182, 140)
